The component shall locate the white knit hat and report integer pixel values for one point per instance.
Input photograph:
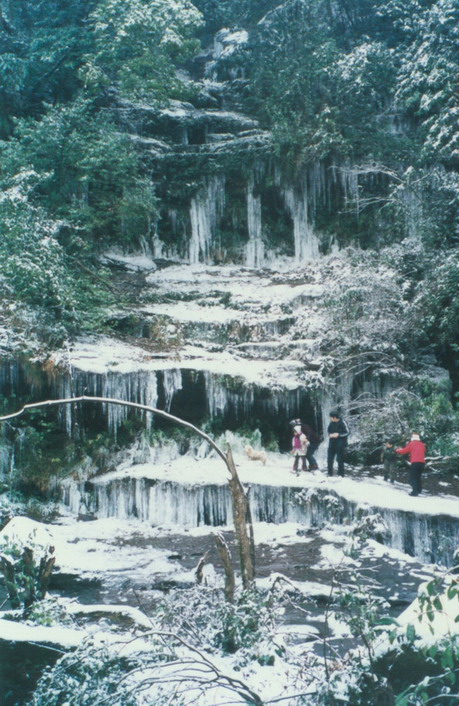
(415, 437)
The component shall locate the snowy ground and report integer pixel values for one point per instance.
(116, 557)
(366, 491)
(113, 562)
(214, 299)
(111, 573)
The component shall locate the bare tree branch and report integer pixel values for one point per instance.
(124, 403)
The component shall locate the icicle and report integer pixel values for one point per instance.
(205, 210)
(255, 248)
(172, 381)
(217, 395)
(6, 459)
(139, 387)
(348, 180)
(413, 209)
(301, 203)
(66, 411)
(430, 538)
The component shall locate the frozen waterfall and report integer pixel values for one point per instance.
(139, 387)
(205, 210)
(255, 248)
(305, 241)
(430, 538)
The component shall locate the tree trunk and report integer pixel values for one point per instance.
(29, 593)
(7, 568)
(240, 513)
(44, 574)
(230, 582)
(199, 569)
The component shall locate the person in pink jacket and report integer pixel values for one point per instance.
(417, 453)
(300, 445)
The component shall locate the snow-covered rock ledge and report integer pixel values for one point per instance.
(193, 492)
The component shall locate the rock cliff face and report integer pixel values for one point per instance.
(224, 195)
(230, 318)
(226, 346)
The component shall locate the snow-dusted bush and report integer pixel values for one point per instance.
(26, 561)
(245, 626)
(370, 526)
(411, 661)
(196, 643)
(327, 508)
(383, 314)
(91, 676)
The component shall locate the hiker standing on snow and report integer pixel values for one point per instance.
(299, 448)
(314, 442)
(417, 452)
(338, 433)
(389, 459)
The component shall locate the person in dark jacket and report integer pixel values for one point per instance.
(416, 450)
(389, 459)
(314, 442)
(338, 433)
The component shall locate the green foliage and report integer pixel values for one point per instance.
(245, 627)
(171, 661)
(382, 316)
(38, 273)
(33, 263)
(245, 624)
(25, 571)
(290, 57)
(32, 258)
(437, 302)
(87, 677)
(87, 174)
(427, 84)
(41, 45)
(136, 45)
(228, 13)
(362, 612)
(86, 186)
(421, 407)
(397, 665)
(48, 612)
(433, 664)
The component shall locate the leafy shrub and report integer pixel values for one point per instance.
(26, 570)
(90, 676)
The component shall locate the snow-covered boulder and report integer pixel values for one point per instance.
(24, 532)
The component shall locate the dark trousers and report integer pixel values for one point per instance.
(389, 468)
(312, 448)
(416, 470)
(303, 463)
(338, 451)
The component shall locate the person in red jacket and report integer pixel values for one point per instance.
(417, 452)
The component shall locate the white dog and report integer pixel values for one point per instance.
(256, 455)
